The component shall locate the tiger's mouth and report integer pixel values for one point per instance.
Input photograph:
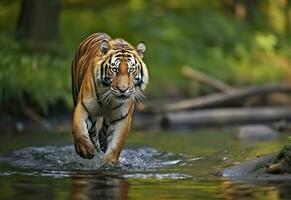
(111, 94)
(122, 97)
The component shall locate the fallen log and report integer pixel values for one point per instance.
(225, 116)
(222, 99)
(196, 75)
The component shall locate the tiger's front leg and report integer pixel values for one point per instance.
(116, 135)
(82, 142)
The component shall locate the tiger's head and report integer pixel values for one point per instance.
(123, 74)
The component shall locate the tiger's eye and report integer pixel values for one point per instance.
(114, 69)
(131, 69)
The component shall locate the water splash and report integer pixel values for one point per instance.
(62, 161)
(48, 157)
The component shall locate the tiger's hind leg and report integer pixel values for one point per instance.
(102, 137)
(93, 132)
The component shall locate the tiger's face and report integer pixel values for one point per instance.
(122, 72)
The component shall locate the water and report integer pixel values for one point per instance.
(165, 165)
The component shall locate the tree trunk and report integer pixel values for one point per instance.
(196, 75)
(225, 116)
(38, 20)
(251, 9)
(222, 99)
(288, 19)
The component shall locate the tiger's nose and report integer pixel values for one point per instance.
(122, 88)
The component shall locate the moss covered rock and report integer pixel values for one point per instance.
(267, 167)
(282, 163)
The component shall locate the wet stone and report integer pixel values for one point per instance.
(256, 133)
(267, 167)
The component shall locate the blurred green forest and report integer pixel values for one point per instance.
(241, 42)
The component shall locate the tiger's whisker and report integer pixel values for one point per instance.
(109, 98)
(105, 95)
(139, 96)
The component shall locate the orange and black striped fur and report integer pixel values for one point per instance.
(108, 75)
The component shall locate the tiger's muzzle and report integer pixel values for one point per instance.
(122, 93)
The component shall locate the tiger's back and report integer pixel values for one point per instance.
(87, 50)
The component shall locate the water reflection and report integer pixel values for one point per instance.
(99, 187)
(82, 186)
(56, 172)
(268, 190)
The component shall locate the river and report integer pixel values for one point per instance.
(153, 165)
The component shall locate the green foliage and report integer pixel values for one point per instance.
(201, 34)
(36, 79)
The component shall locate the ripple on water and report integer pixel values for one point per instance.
(62, 161)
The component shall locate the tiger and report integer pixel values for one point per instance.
(108, 77)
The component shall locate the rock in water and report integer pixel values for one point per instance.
(268, 167)
(282, 163)
(256, 133)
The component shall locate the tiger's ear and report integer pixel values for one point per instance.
(140, 48)
(104, 47)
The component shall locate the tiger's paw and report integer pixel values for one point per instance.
(109, 159)
(110, 165)
(84, 147)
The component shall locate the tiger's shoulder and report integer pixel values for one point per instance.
(87, 52)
